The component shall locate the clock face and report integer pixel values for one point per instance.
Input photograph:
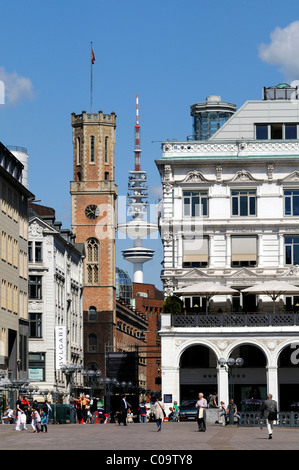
(92, 211)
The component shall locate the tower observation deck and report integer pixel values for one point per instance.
(138, 226)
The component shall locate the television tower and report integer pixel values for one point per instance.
(138, 227)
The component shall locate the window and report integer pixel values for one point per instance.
(195, 203)
(92, 149)
(106, 149)
(261, 131)
(291, 250)
(243, 251)
(276, 131)
(92, 342)
(35, 326)
(92, 313)
(291, 202)
(78, 151)
(35, 287)
(92, 261)
(290, 131)
(35, 252)
(244, 203)
(37, 366)
(195, 252)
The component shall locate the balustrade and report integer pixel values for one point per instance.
(236, 320)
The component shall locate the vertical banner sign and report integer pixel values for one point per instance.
(60, 345)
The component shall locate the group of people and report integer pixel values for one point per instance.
(268, 411)
(36, 414)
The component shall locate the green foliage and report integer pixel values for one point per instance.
(173, 304)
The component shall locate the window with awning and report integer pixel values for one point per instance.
(196, 251)
(244, 251)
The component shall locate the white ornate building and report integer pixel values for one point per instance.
(55, 265)
(231, 215)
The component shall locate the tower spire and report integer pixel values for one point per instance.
(137, 149)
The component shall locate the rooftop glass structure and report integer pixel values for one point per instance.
(124, 289)
(209, 116)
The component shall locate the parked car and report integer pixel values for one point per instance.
(188, 410)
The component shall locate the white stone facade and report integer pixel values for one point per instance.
(55, 299)
(236, 195)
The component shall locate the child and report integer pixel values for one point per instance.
(129, 416)
(36, 421)
(43, 421)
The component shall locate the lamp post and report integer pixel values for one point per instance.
(92, 376)
(230, 364)
(70, 371)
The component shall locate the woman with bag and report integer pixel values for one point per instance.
(159, 413)
(269, 413)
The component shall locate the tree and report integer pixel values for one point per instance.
(173, 304)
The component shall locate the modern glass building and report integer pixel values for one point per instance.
(209, 116)
(124, 289)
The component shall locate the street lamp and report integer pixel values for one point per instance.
(93, 376)
(70, 371)
(229, 365)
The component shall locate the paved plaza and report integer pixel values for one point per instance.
(175, 438)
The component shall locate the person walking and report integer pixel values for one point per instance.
(93, 409)
(20, 412)
(269, 413)
(84, 407)
(176, 411)
(36, 420)
(142, 412)
(123, 409)
(159, 413)
(201, 406)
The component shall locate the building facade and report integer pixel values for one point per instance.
(55, 264)
(14, 324)
(93, 194)
(149, 301)
(230, 216)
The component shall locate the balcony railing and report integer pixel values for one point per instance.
(285, 419)
(236, 320)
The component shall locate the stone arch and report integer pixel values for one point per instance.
(197, 363)
(253, 343)
(250, 380)
(288, 374)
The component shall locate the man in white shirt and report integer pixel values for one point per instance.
(201, 405)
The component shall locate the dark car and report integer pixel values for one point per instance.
(188, 410)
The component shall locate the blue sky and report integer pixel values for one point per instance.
(171, 53)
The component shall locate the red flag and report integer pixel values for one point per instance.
(92, 57)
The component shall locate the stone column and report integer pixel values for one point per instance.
(171, 383)
(223, 392)
(272, 381)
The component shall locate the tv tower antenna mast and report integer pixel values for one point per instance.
(138, 227)
(137, 138)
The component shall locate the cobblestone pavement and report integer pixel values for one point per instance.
(174, 438)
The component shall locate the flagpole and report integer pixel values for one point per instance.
(91, 77)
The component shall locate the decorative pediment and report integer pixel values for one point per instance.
(243, 273)
(195, 177)
(242, 176)
(37, 227)
(194, 274)
(294, 176)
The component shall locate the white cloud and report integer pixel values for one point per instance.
(16, 87)
(283, 50)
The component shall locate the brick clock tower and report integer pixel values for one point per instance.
(93, 195)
